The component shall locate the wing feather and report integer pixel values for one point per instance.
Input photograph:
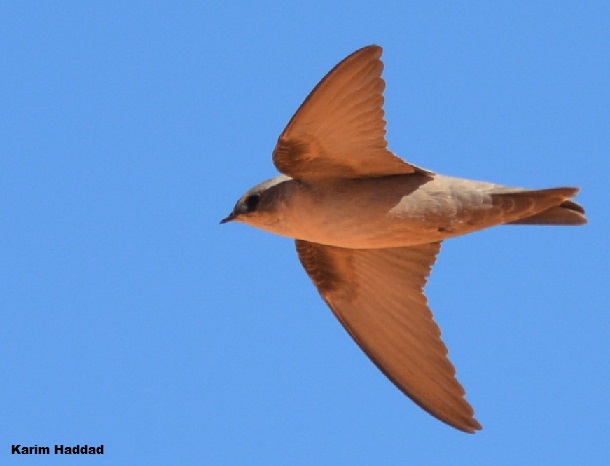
(339, 130)
(377, 295)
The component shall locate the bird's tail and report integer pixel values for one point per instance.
(542, 207)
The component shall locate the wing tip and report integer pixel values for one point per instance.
(458, 415)
(371, 48)
(372, 52)
(470, 426)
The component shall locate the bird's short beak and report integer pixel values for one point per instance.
(230, 218)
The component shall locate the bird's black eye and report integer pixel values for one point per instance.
(252, 202)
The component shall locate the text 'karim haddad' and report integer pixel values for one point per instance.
(58, 450)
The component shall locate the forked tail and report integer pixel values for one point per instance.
(543, 207)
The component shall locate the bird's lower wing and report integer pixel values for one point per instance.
(377, 295)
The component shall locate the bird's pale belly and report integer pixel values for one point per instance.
(387, 212)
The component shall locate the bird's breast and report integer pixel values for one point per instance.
(383, 212)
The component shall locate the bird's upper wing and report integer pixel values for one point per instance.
(377, 296)
(339, 130)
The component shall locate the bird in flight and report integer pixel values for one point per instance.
(368, 226)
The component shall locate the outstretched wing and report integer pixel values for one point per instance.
(377, 295)
(339, 130)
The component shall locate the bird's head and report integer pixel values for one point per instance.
(259, 206)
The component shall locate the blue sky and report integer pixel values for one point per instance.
(132, 319)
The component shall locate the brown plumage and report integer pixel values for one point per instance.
(368, 227)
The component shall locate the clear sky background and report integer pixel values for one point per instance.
(131, 318)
